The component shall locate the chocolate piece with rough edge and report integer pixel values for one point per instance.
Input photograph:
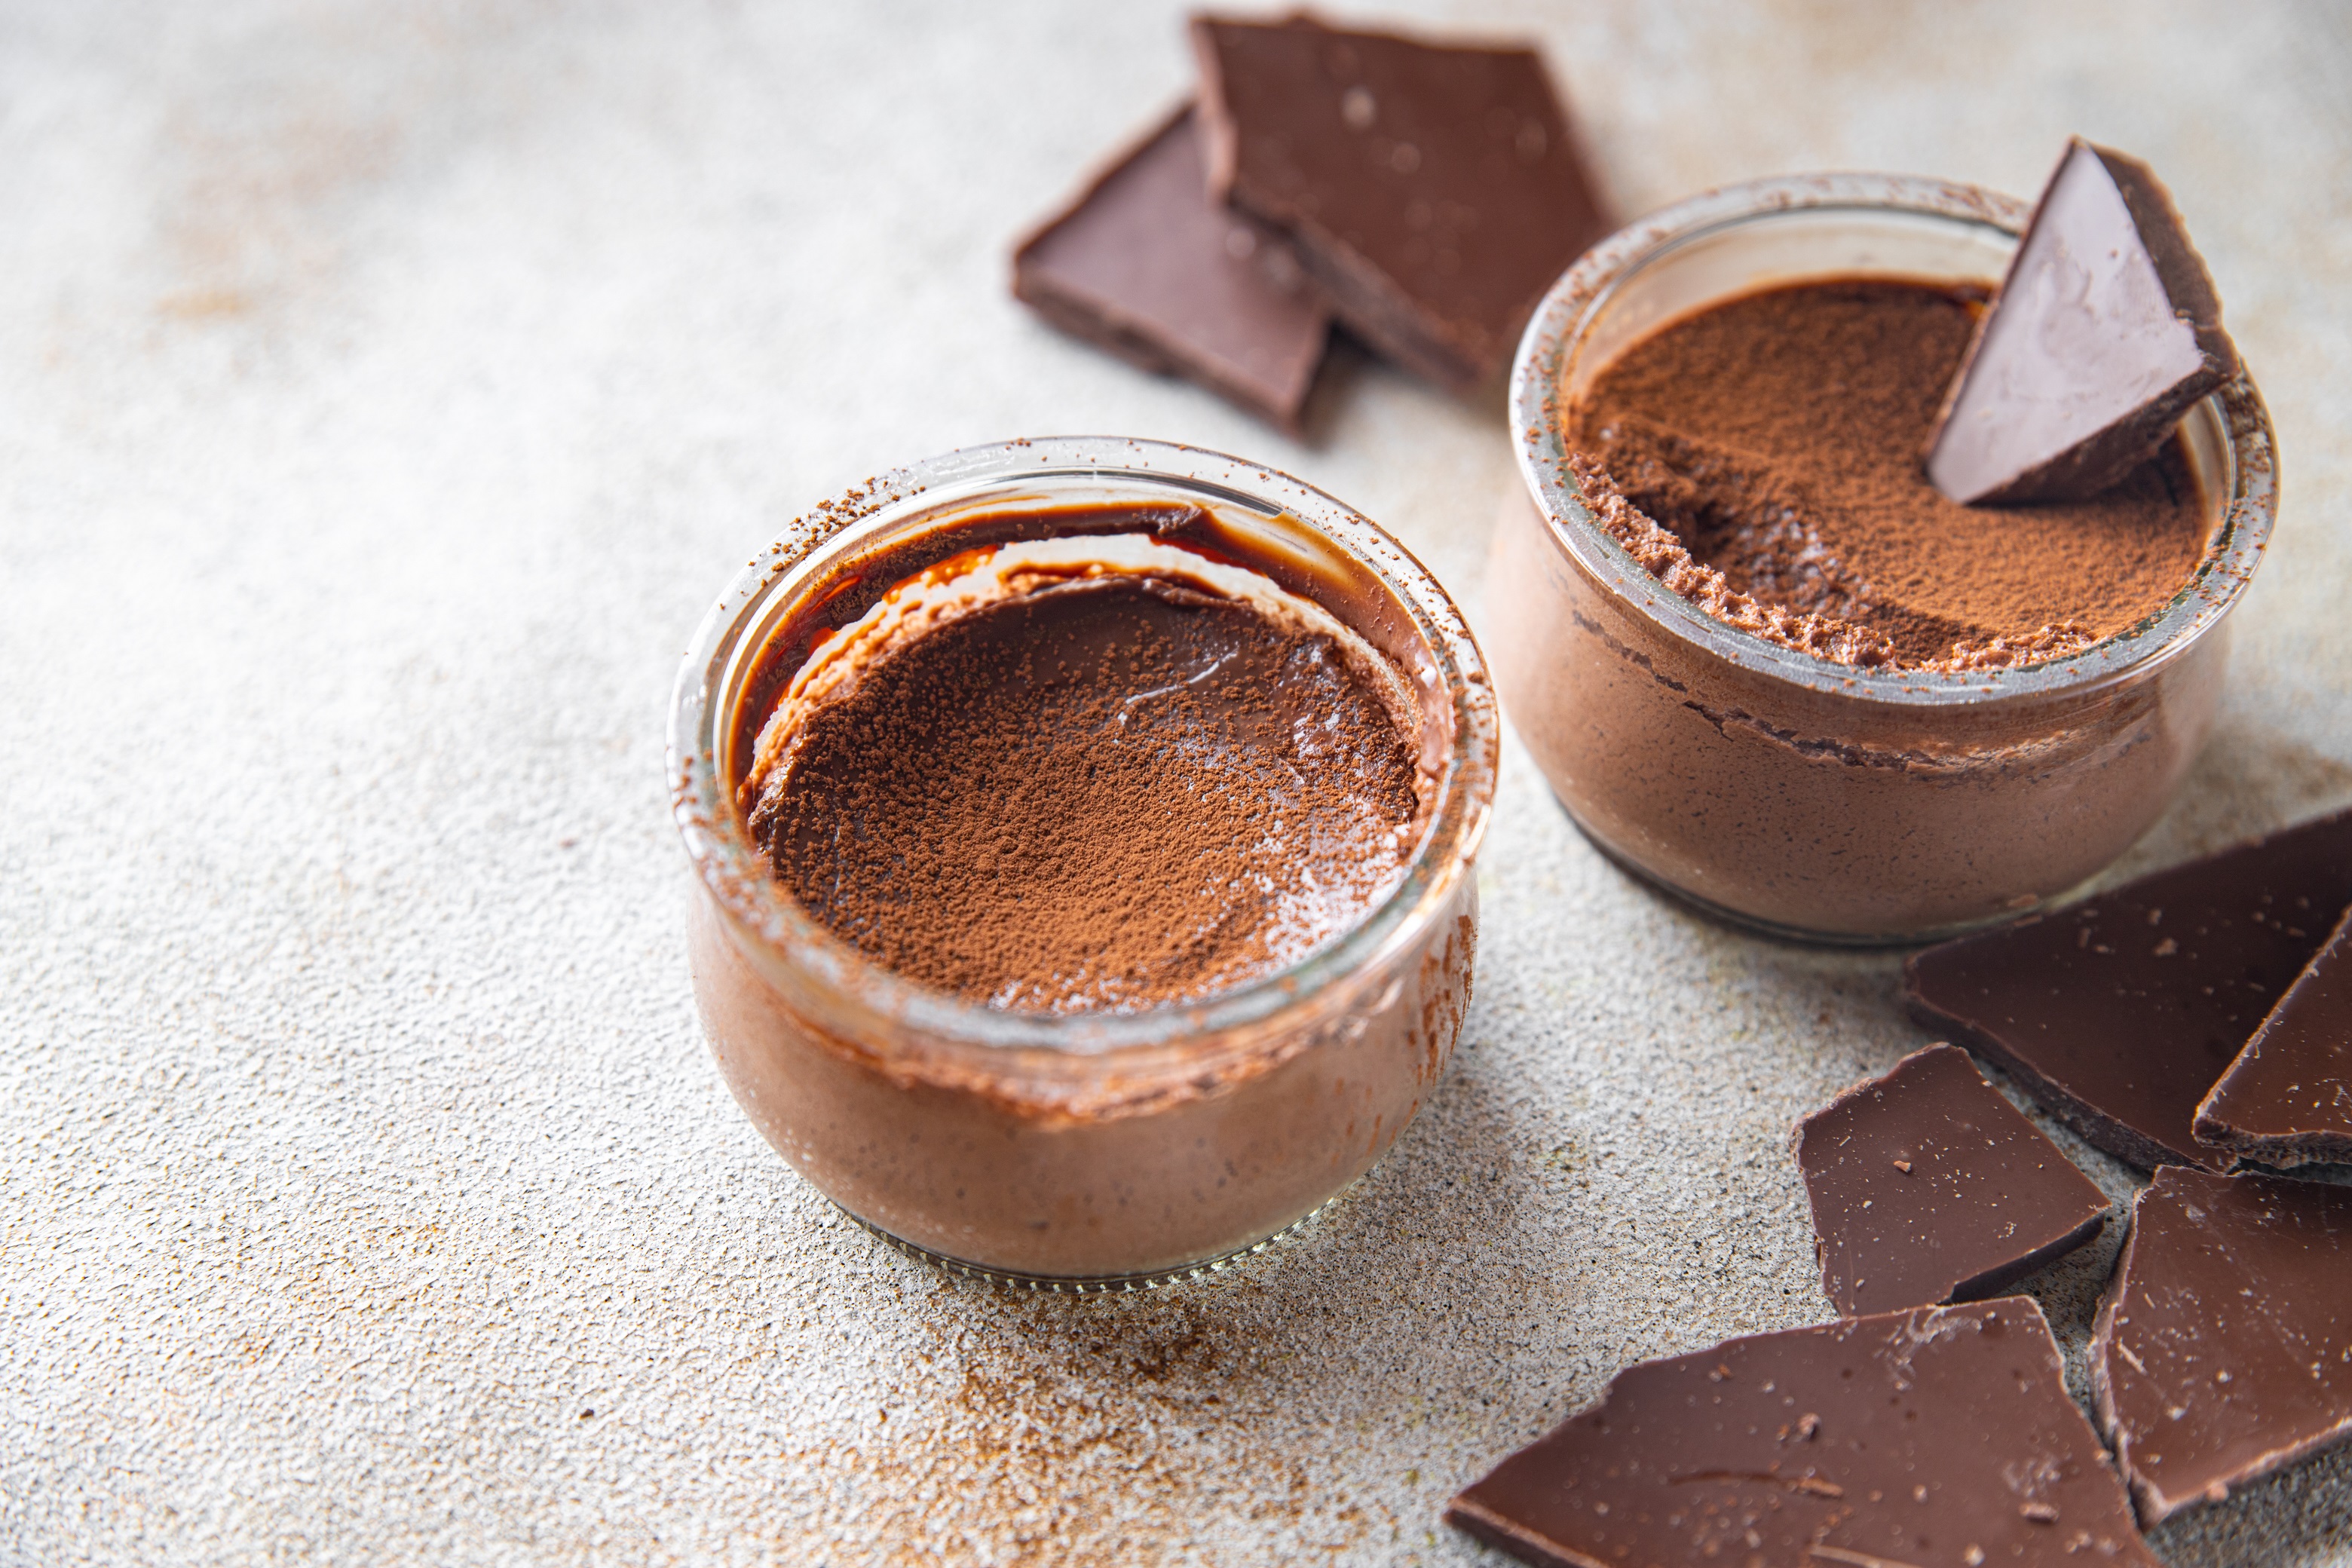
(1435, 189)
(1144, 265)
(2287, 1099)
(1928, 1186)
(2104, 331)
(2122, 1011)
(1938, 1437)
(2223, 1350)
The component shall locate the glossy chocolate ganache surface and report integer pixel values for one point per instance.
(1761, 458)
(1089, 773)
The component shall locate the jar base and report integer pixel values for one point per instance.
(1803, 936)
(1100, 1284)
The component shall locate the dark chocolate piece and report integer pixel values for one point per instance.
(2104, 331)
(1144, 265)
(2223, 1351)
(2120, 1013)
(1938, 1437)
(1928, 1186)
(2287, 1099)
(1435, 189)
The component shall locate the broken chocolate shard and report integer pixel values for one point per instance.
(1928, 1186)
(1934, 1436)
(2223, 1350)
(1142, 264)
(2122, 1011)
(2287, 1099)
(2105, 331)
(1434, 189)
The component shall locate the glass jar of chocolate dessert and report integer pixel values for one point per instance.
(1085, 835)
(1760, 661)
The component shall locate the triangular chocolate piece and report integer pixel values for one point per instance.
(2223, 1351)
(1928, 1186)
(1942, 1434)
(1433, 188)
(2287, 1099)
(1144, 265)
(2122, 1011)
(2104, 331)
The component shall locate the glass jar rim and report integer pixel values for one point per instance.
(1573, 305)
(736, 629)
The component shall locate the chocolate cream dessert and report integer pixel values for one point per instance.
(1919, 715)
(1761, 458)
(1089, 773)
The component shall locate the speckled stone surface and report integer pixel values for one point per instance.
(384, 392)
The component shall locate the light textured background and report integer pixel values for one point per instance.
(384, 392)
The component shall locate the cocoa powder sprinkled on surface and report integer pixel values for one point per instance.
(1762, 458)
(1108, 795)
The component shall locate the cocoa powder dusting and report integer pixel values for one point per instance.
(1108, 795)
(1761, 459)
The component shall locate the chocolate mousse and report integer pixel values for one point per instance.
(1019, 787)
(1090, 773)
(1760, 456)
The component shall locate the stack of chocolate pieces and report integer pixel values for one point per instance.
(2193, 1020)
(1422, 195)
(2198, 1016)
(1911, 1430)
(2186, 1020)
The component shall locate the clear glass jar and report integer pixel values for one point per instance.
(1786, 792)
(1090, 1151)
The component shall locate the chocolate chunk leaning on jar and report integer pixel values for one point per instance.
(2121, 1012)
(2106, 330)
(2223, 1350)
(2287, 1099)
(1142, 264)
(1926, 1186)
(1938, 1437)
(1434, 189)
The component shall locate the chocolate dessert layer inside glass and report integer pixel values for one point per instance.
(1086, 836)
(1760, 659)
(1761, 458)
(1088, 771)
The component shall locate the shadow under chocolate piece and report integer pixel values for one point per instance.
(2121, 1012)
(1938, 1437)
(2106, 330)
(1434, 189)
(2287, 1099)
(1928, 1186)
(2223, 1351)
(1144, 265)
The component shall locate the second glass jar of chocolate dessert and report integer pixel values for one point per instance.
(1022, 931)
(1781, 766)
